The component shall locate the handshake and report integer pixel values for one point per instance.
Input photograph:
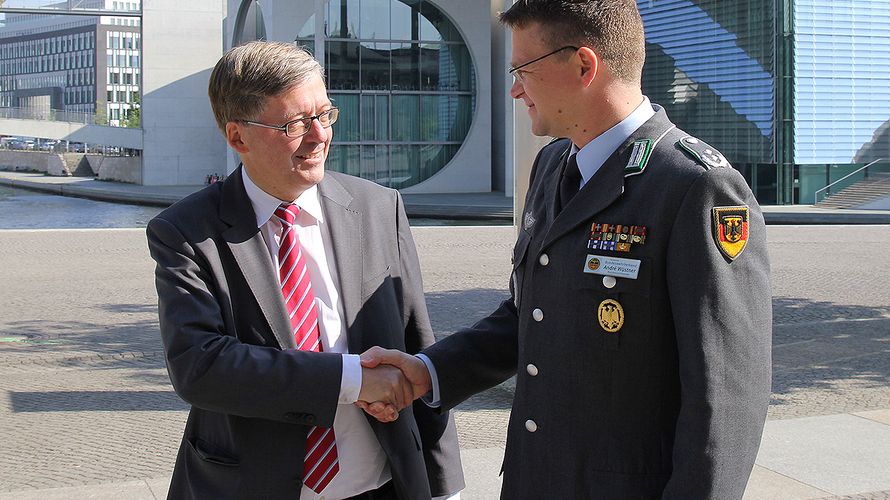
(391, 380)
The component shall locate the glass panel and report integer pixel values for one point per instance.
(342, 18)
(405, 118)
(375, 20)
(405, 64)
(368, 130)
(405, 20)
(344, 159)
(342, 63)
(369, 163)
(347, 127)
(381, 117)
(435, 26)
(308, 29)
(375, 65)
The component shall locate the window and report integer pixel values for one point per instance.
(405, 83)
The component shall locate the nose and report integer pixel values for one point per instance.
(316, 132)
(516, 90)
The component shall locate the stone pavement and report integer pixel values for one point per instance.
(87, 411)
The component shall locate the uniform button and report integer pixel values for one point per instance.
(609, 281)
(531, 426)
(538, 315)
(532, 370)
(544, 259)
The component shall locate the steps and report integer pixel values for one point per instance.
(876, 186)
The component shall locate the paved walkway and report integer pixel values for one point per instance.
(476, 206)
(89, 412)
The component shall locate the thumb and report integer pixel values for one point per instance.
(372, 357)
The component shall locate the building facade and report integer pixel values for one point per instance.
(81, 68)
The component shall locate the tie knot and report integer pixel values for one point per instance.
(287, 212)
(572, 171)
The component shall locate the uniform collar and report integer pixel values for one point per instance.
(264, 204)
(592, 156)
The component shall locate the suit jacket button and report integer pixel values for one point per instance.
(531, 426)
(538, 315)
(532, 370)
(544, 259)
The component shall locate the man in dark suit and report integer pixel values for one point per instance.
(639, 322)
(267, 282)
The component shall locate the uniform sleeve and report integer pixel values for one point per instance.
(723, 319)
(438, 433)
(209, 367)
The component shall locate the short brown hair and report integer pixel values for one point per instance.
(612, 28)
(247, 74)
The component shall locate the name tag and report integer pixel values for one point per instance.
(612, 266)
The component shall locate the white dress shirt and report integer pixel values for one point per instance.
(363, 463)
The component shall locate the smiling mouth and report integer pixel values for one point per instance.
(311, 156)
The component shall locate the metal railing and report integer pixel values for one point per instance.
(53, 115)
(826, 191)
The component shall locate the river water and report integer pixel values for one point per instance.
(23, 209)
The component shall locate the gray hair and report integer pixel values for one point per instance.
(247, 74)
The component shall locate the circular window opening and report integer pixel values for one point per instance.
(249, 25)
(403, 78)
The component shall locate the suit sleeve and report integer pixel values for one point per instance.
(723, 319)
(208, 366)
(438, 433)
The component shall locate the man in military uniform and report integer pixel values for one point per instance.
(639, 325)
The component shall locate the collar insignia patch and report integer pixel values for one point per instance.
(615, 237)
(731, 230)
(639, 157)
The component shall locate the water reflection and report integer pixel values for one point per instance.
(23, 209)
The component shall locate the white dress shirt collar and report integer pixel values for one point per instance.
(592, 156)
(264, 204)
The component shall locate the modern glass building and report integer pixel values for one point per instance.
(86, 68)
(795, 93)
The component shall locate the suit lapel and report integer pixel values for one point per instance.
(252, 255)
(607, 184)
(345, 226)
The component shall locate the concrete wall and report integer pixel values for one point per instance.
(34, 161)
(118, 168)
(181, 43)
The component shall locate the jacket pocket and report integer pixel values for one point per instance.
(211, 473)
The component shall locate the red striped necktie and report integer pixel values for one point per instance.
(321, 463)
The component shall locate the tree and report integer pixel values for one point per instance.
(134, 114)
(101, 115)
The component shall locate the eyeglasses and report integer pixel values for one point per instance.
(301, 126)
(517, 74)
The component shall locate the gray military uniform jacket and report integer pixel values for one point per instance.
(649, 387)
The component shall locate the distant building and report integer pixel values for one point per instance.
(72, 64)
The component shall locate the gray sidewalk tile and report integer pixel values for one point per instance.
(840, 454)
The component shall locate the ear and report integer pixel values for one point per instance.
(235, 138)
(590, 65)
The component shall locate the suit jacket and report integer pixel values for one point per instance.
(231, 356)
(671, 404)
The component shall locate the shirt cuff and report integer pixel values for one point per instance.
(351, 381)
(432, 399)
(455, 496)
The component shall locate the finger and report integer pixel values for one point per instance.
(370, 358)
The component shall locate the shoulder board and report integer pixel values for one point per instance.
(701, 152)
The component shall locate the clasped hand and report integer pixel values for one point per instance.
(391, 380)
